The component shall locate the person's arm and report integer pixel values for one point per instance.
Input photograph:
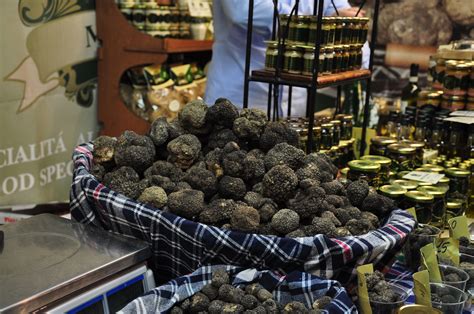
(237, 12)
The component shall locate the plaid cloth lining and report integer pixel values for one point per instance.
(180, 246)
(295, 286)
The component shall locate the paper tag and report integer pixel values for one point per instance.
(458, 227)
(462, 113)
(448, 248)
(428, 252)
(199, 8)
(422, 288)
(362, 290)
(412, 212)
(429, 177)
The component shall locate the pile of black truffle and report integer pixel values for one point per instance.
(380, 290)
(221, 297)
(236, 171)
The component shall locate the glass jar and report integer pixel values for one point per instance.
(293, 59)
(337, 132)
(403, 156)
(351, 26)
(308, 60)
(317, 138)
(443, 183)
(344, 149)
(327, 136)
(339, 21)
(358, 61)
(453, 103)
(337, 59)
(284, 26)
(364, 30)
(458, 185)
(384, 163)
(299, 29)
(303, 137)
(328, 60)
(456, 141)
(271, 56)
(454, 208)
(409, 185)
(364, 169)
(351, 142)
(440, 69)
(322, 56)
(423, 204)
(352, 57)
(456, 80)
(378, 145)
(394, 192)
(419, 147)
(470, 103)
(439, 206)
(139, 16)
(345, 58)
(346, 128)
(432, 101)
(356, 30)
(332, 30)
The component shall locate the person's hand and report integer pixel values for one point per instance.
(350, 12)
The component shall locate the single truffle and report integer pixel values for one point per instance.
(218, 211)
(322, 302)
(372, 218)
(216, 307)
(323, 226)
(285, 221)
(275, 133)
(333, 188)
(193, 117)
(210, 291)
(309, 171)
(165, 169)
(254, 199)
(359, 226)
(284, 154)
(250, 124)
(329, 215)
(249, 301)
(220, 138)
(98, 171)
(335, 200)
(376, 204)
(222, 113)
(134, 151)
(186, 203)
(307, 203)
(104, 149)
(253, 168)
(184, 150)
(176, 310)
(159, 131)
(245, 218)
(233, 188)
(357, 191)
(219, 278)
(298, 233)
(280, 183)
(264, 295)
(295, 307)
(154, 196)
(202, 180)
(233, 163)
(253, 289)
(124, 180)
(199, 302)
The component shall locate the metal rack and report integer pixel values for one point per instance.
(311, 83)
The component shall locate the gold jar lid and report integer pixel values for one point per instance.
(453, 98)
(415, 144)
(383, 161)
(464, 166)
(364, 166)
(433, 95)
(433, 190)
(327, 125)
(272, 44)
(444, 180)
(418, 196)
(451, 64)
(407, 184)
(329, 49)
(424, 183)
(364, 19)
(418, 309)
(337, 47)
(383, 140)
(335, 122)
(311, 49)
(457, 172)
(304, 18)
(317, 129)
(433, 168)
(463, 66)
(339, 116)
(348, 117)
(453, 205)
(344, 171)
(401, 149)
(401, 174)
(345, 46)
(292, 46)
(393, 190)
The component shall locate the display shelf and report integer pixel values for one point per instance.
(124, 47)
(299, 80)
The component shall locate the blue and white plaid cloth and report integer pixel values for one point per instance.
(294, 286)
(180, 246)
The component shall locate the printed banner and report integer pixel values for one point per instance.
(48, 76)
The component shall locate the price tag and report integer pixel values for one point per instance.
(422, 288)
(448, 248)
(362, 290)
(199, 8)
(412, 212)
(429, 177)
(430, 260)
(458, 227)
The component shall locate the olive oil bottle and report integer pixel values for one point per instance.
(411, 90)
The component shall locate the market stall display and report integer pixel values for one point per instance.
(221, 288)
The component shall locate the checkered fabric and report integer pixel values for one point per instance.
(180, 246)
(295, 286)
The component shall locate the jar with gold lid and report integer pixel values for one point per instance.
(293, 59)
(346, 127)
(352, 57)
(302, 136)
(407, 184)
(284, 25)
(344, 149)
(308, 60)
(327, 136)
(456, 80)
(337, 132)
(271, 55)
(433, 168)
(458, 184)
(139, 16)
(317, 138)
(423, 204)
(403, 156)
(454, 208)
(443, 183)
(432, 101)
(453, 103)
(299, 29)
(358, 61)
(394, 192)
(440, 72)
(364, 169)
(337, 59)
(346, 30)
(345, 58)
(378, 145)
(339, 21)
(384, 163)
(439, 204)
(328, 60)
(419, 147)
(352, 26)
(332, 29)
(364, 30)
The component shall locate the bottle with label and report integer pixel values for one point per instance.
(411, 90)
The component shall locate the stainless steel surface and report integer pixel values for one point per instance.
(46, 257)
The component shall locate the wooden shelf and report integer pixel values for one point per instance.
(123, 47)
(305, 80)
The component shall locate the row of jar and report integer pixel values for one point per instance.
(302, 29)
(443, 99)
(453, 77)
(299, 59)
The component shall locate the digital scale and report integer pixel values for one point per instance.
(54, 265)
